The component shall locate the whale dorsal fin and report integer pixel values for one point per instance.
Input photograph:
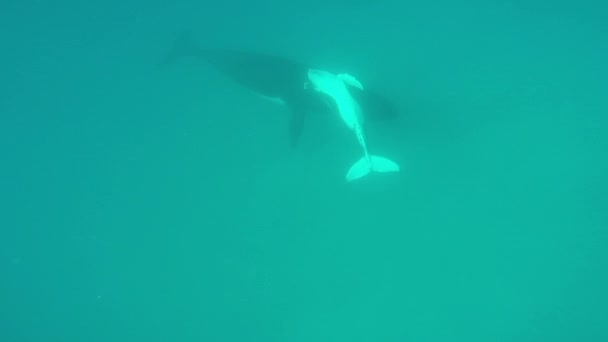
(350, 80)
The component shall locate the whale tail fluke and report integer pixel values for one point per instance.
(372, 163)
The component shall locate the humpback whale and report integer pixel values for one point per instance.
(279, 79)
(335, 87)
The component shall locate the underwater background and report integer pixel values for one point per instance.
(147, 204)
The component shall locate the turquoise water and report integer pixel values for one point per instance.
(141, 204)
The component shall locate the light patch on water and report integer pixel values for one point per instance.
(272, 99)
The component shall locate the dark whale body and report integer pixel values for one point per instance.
(280, 78)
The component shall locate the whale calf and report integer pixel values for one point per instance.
(335, 87)
(281, 80)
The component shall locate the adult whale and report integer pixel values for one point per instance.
(280, 79)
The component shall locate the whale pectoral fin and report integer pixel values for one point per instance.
(296, 122)
(183, 47)
(350, 80)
